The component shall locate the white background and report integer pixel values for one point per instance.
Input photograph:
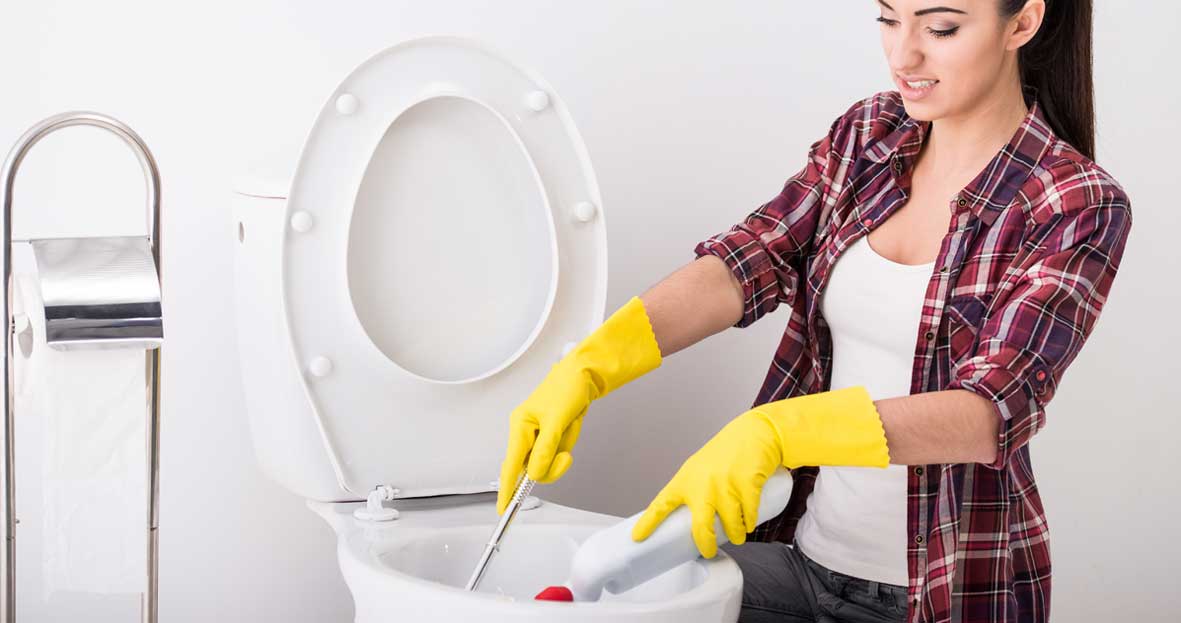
(693, 113)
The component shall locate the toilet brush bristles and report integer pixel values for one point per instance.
(555, 593)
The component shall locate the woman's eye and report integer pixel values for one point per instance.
(934, 31)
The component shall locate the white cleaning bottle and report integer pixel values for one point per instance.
(609, 559)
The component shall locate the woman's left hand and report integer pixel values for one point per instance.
(725, 477)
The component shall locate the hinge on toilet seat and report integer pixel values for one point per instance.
(373, 510)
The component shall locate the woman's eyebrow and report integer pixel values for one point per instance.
(922, 12)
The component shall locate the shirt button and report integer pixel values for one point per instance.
(918, 538)
(930, 335)
(961, 201)
(918, 470)
(897, 165)
(867, 222)
(1041, 375)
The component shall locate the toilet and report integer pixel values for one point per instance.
(403, 280)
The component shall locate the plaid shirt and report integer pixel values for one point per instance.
(1032, 246)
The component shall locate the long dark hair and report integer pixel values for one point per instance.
(1057, 61)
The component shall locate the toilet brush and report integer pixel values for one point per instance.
(524, 486)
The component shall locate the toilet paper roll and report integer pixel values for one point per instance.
(93, 404)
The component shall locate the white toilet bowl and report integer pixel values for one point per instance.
(415, 568)
(438, 245)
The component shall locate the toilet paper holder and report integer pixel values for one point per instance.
(98, 292)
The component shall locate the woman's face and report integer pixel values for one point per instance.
(947, 57)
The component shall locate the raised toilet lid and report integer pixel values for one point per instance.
(444, 245)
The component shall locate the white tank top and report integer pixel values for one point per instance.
(855, 521)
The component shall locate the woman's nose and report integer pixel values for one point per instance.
(905, 55)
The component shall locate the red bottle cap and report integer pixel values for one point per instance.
(555, 593)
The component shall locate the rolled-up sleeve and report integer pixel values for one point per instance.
(763, 251)
(1037, 327)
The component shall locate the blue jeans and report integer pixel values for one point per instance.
(782, 585)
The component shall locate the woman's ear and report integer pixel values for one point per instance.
(1025, 24)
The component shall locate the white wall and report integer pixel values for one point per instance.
(694, 113)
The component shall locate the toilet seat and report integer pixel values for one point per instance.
(441, 432)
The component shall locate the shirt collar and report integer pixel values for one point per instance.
(996, 185)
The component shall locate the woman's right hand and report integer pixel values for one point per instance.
(544, 428)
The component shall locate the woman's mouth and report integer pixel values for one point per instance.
(915, 89)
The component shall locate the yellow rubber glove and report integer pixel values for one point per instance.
(726, 476)
(544, 427)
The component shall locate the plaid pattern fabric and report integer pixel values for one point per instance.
(1032, 247)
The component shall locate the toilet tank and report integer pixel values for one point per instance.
(286, 438)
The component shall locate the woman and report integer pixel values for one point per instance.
(945, 253)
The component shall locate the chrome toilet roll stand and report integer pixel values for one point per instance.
(99, 292)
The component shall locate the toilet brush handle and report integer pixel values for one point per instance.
(524, 487)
